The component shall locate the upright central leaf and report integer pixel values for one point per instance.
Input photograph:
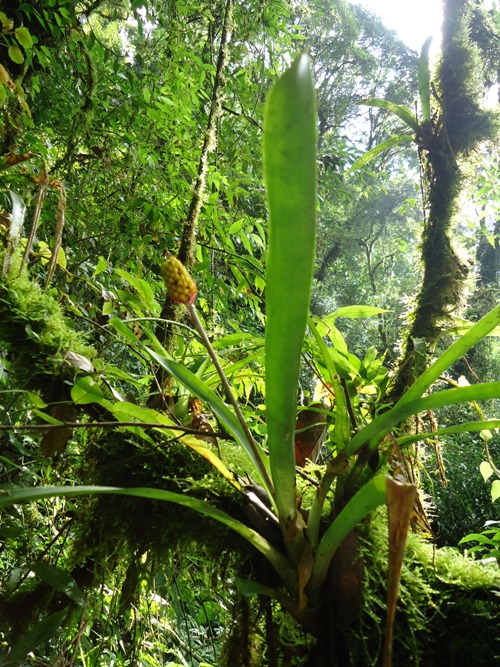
(290, 172)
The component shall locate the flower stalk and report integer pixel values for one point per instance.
(182, 288)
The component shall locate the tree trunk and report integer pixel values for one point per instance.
(452, 134)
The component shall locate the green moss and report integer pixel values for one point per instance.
(448, 611)
(34, 333)
(117, 525)
(450, 566)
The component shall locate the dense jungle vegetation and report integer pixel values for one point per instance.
(249, 320)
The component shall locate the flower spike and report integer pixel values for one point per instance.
(181, 287)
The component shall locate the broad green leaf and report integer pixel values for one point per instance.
(108, 308)
(376, 150)
(290, 175)
(203, 391)
(236, 226)
(370, 356)
(7, 23)
(337, 340)
(343, 363)
(44, 416)
(120, 327)
(102, 265)
(41, 633)
(16, 55)
(424, 78)
(125, 411)
(475, 537)
(142, 287)
(405, 114)
(369, 497)
(248, 587)
(86, 390)
(60, 580)
(23, 37)
(36, 401)
(12, 496)
(495, 490)
(486, 470)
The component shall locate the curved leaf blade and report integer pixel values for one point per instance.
(405, 114)
(42, 632)
(466, 427)
(381, 425)
(204, 393)
(376, 150)
(59, 580)
(9, 497)
(457, 349)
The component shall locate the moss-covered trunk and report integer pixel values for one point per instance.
(446, 141)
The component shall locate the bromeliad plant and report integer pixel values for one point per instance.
(298, 541)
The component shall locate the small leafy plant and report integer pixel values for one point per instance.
(487, 541)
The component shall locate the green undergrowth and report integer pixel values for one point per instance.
(448, 609)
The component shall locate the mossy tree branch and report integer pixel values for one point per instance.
(171, 310)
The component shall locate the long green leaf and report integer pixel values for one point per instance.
(60, 580)
(42, 632)
(126, 412)
(290, 173)
(454, 352)
(467, 427)
(342, 424)
(376, 150)
(9, 497)
(204, 393)
(405, 114)
(342, 428)
(424, 79)
(370, 496)
(381, 425)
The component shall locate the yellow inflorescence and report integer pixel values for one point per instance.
(181, 287)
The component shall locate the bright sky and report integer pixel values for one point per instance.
(413, 20)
